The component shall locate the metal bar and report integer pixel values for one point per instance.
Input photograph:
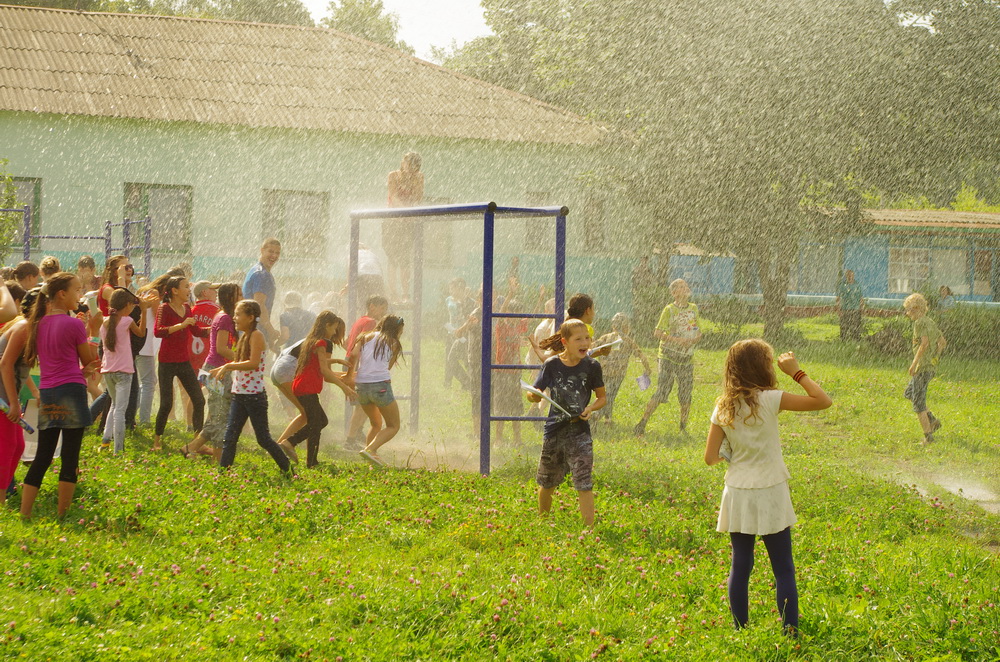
(352, 296)
(513, 366)
(27, 232)
(560, 293)
(418, 290)
(107, 240)
(519, 418)
(147, 240)
(525, 315)
(64, 236)
(127, 240)
(486, 332)
(405, 212)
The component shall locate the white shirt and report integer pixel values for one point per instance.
(756, 446)
(368, 263)
(152, 345)
(372, 369)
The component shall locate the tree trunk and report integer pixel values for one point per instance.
(773, 271)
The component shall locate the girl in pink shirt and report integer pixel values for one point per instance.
(117, 365)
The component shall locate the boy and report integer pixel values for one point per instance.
(928, 343)
(295, 321)
(454, 347)
(86, 271)
(376, 308)
(678, 333)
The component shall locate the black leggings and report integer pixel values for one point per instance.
(779, 550)
(47, 441)
(165, 373)
(316, 420)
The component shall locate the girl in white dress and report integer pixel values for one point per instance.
(756, 501)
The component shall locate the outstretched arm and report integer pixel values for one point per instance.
(815, 398)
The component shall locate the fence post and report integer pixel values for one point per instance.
(560, 293)
(127, 239)
(418, 290)
(486, 357)
(148, 246)
(107, 241)
(27, 232)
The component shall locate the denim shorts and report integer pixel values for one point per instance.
(375, 393)
(570, 449)
(916, 390)
(64, 406)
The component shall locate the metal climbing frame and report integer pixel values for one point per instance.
(490, 212)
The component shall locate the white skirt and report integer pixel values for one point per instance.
(757, 511)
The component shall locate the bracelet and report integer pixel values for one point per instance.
(799, 375)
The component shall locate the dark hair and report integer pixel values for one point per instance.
(110, 274)
(241, 351)
(386, 338)
(376, 300)
(29, 300)
(120, 297)
(578, 305)
(25, 269)
(16, 291)
(86, 262)
(229, 294)
(566, 330)
(172, 284)
(157, 285)
(317, 333)
(58, 283)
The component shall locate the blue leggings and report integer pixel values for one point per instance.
(779, 550)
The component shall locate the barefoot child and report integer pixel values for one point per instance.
(678, 333)
(312, 370)
(371, 359)
(249, 398)
(756, 501)
(60, 344)
(928, 343)
(570, 377)
(117, 366)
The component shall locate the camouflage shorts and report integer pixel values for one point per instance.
(569, 450)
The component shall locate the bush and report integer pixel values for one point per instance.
(730, 313)
(972, 331)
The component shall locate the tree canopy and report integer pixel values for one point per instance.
(367, 19)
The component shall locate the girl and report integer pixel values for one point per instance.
(312, 370)
(117, 365)
(221, 339)
(60, 344)
(570, 376)
(372, 357)
(175, 325)
(615, 365)
(145, 361)
(756, 501)
(406, 189)
(249, 398)
(13, 373)
(117, 273)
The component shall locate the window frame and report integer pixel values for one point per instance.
(143, 212)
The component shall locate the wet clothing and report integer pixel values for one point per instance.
(678, 322)
(299, 322)
(59, 361)
(176, 347)
(310, 380)
(571, 387)
(925, 327)
(260, 280)
(204, 313)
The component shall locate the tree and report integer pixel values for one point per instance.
(367, 19)
(734, 123)
(10, 222)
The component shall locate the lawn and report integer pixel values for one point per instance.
(168, 559)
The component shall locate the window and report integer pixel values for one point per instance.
(299, 219)
(982, 272)
(950, 263)
(818, 269)
(168, 207)
(909, 266)
(28, 192)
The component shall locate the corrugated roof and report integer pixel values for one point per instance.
(224, 72)
(928, 218)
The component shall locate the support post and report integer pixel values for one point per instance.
(352, 294)
(418, 290)
(27, 232)
(127, 239)
(486, 358)
(107, 240)
(560, 293)
(147, 241)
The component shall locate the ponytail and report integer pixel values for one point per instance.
(58, 283)
(120, 297)
(554, 342)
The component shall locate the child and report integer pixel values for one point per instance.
(86, 271)
(60, 344)
(371, 359)
(312, 370)
(175, 324)
(49, 267)
(928, 343)
(678, 333)
(376, 308)
(206, 305)
(570, 377)
(249, 398)
(506, 395)
(13, 373)
(295, 321)
(117, 365)
(616, 364)
(221, 338)
(756, 501)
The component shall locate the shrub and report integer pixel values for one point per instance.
(972, 331)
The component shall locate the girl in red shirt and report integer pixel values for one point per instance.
(175, 325)
(312, 371)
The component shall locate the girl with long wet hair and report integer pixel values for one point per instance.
(756, 500)
(371, 359)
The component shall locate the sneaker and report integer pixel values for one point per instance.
(372, 458)
(105, 445)
(935, 425)
(928, 439)
(639, 429)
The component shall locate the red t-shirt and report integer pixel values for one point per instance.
(102, 303)
(510, 333)
(176, 347)
(204, 312)
(310, 380)
(363, 325)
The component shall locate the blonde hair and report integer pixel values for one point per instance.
(749, 369)
(915, 301)
(566, 331)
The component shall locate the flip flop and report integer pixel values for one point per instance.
(376, 461)
(289, 451)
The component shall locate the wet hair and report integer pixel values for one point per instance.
(120, 297)
(60, 282)
(317, 333)
(177, 271)
(293, 299)
(158, 284)
(946, 290)
(86, 262)
(16, 291)
(29, 300)
(229, 294)
(386, 338)
(25, 269)
(578, 305)
(376, 300)
(172, 284)
(241, 351)
(619, 320)
(270, 241)
(110, 274)
(676, 283)
(916, 301)
(49, 266)
(414, 160)
(7, 273)
(748, 369)
(566, 331)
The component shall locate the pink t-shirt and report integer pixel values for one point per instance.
(119, 360)
(221, 322)
(58, 360)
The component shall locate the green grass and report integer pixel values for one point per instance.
(168, 559)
